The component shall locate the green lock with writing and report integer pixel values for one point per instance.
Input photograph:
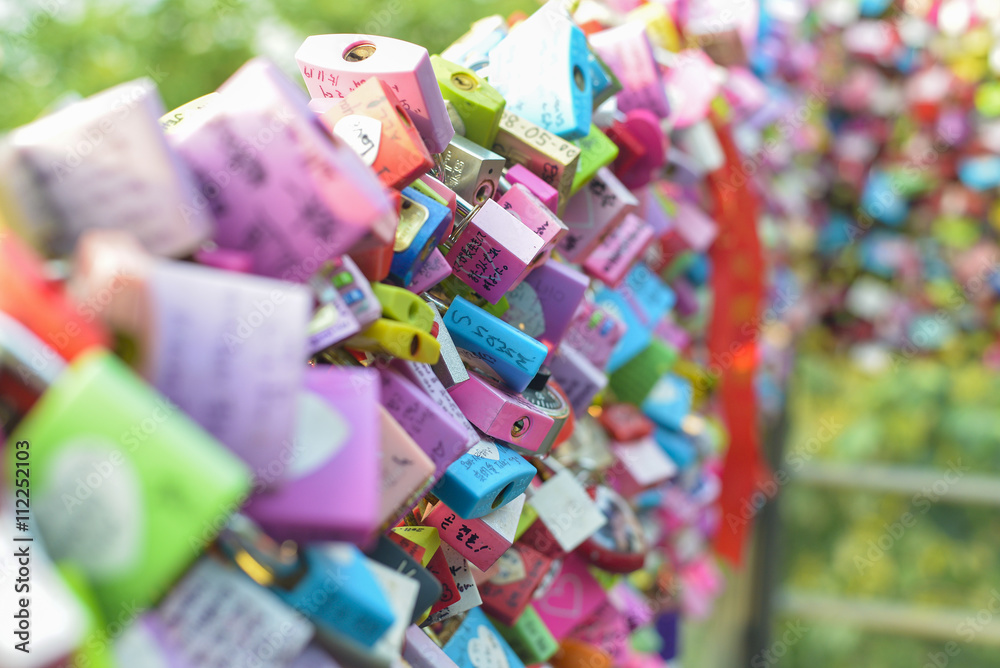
(478, 104)
(596, 151)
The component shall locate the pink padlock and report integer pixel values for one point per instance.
(407, 471)
(594, 332)
(334, 65)
(627, 51)
(493, 252)
(501, 414)
(640, 465)
(572, 597)
(617, 252)
(432, 272)
(549, 196)
(595, 209)
(530, 210)
(280, 188)
(482, 540)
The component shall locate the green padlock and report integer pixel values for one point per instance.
(530, 639)
(596, 151)
(478, 104)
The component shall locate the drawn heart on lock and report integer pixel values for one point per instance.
(511, 568)
(565, 599)
(485, 651)
(321, 432)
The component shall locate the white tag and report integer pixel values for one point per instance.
(363, 134)
(567, 510)
(401, 592)
(465, 582)
(504, 520)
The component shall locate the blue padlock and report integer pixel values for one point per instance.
(476, 644)
(485, 478)
(542, 69)
(669, 402)
(422, 224)
(641, 302)
(513, 355)
(678, 447)
(980, 173)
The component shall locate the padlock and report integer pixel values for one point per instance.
(278, 187)
(544, 304)
(433, 271)
(542, 69)
(611, 260)
(644, 127)
(594, 332)
(211, 255)
(470, 170)
(481, 540)
(426, 378)
(344, 276)
(570, 598)
(478, 104)
(620, 545)
(575, 653)
(529, 637)
(422, 224)
(438, 567)
(331, 323)
(63, 327)
(333, 66)
(640, 302)
(502, 414)
(371, 121)
(608, 631)
(438, 434)
(220, 345)
(216, 614)
(678, 447)
(625, 422)
(458, 567)
(403, 306)
(593, 212)
(476, 643)
(407, 472)
(536, 216)
(420, 542)
(422, 652)
(580, 380)
(401, 592)
(102, 163)
(398, 339)
(603, 81)
(493, 251)
(432, 187)
(331, 468)
(640, 465)
(485, 478)
(507, 594)
(513, 355)
(565, 508)
(176, 480)
(549, 399)
(519, 174)
(627, 51)
(597, 150)
(551, 158)
(393, 556)
(634, 381)
(669, 402)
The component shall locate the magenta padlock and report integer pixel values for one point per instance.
(331, 469)
(425, 377)
(627, 51)
(590, 213)
(618, 251)
(595, 332)
(493, 251)
(500, 413)
(544, 304)
(530, 210)
(280, 188)
(519, 174)
(439, 435)
(695, 229)
(334, 65)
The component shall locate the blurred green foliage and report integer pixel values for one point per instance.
(50, 48)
